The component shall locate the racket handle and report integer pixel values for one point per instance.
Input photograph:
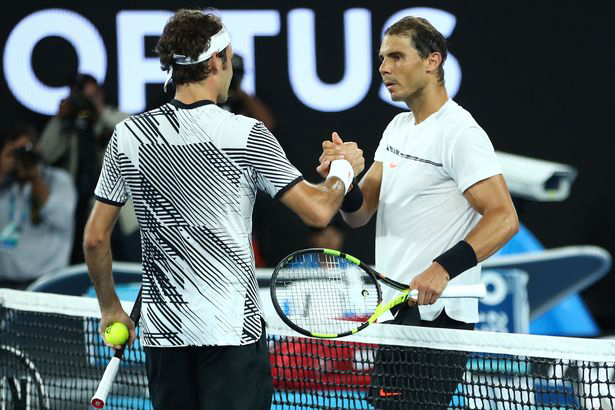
(458, 291)
(99, 398)
(98, 401)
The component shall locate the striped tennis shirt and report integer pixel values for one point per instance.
(192, 172)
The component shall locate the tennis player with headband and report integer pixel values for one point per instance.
(192, 170)
(443, 205)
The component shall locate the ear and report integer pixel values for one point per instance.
(433, 61)
(215, 63)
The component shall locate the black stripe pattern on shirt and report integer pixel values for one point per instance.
(395, 151)
(193, 187)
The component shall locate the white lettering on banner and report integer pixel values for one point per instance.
(357, 61)
(134, 68)
(243, 26)
(17, 59)
(444, 22)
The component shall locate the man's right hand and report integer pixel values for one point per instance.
(337, 149)
(117, 315)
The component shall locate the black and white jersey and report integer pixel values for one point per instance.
(192, 172)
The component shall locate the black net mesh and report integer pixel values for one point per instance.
(52, 360)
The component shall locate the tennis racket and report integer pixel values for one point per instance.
(104, 386)
(326, 293)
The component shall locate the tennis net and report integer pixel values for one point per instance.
(51, 357)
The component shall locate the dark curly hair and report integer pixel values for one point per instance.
(188, 33)
(424, 38)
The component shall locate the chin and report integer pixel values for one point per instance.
(222, 98)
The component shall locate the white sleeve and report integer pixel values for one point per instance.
(274, 172)
(382, 146)
(471, 158)
(111, 186)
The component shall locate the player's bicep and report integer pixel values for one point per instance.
(100, 223)
(490, 194)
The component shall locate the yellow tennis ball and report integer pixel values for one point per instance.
(116, 333)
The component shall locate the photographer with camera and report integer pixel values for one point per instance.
(81, 128)
(75, 140)
(37, 208)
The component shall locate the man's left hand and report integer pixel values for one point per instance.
(430, 283)
(337, 149)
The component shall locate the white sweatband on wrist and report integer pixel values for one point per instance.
(342, 169)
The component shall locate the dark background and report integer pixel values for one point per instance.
(537, 76)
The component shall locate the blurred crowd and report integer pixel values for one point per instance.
(47, 183)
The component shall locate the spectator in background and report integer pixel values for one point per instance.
(37, 208)
(240, 102)
(75, 140)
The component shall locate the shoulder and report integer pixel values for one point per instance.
(457, 117)
(397, 124)
(400, 120)
(136, 123)
(128, 120)
(458, 122)
(243, 122)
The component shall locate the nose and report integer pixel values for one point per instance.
(384, 68)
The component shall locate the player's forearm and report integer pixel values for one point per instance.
(98, 259)
(495, 228)
(326, 201)
(360, 217)
(315, 204)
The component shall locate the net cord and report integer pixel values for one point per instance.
(554, 347)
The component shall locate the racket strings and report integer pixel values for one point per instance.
(324, 293)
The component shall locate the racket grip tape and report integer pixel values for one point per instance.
(98, 401)
(458, 291)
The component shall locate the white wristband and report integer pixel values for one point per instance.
(342, 169)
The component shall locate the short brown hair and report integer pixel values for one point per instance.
(188, 33)
(424, 38)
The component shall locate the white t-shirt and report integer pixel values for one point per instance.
(422, 211)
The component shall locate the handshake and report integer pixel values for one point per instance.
(337, 149)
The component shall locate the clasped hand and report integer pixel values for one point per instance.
(430, 283)
(338, 149)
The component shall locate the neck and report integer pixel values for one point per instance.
(427, 101)
(199, 91)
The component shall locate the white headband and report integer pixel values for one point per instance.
(217, 43)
